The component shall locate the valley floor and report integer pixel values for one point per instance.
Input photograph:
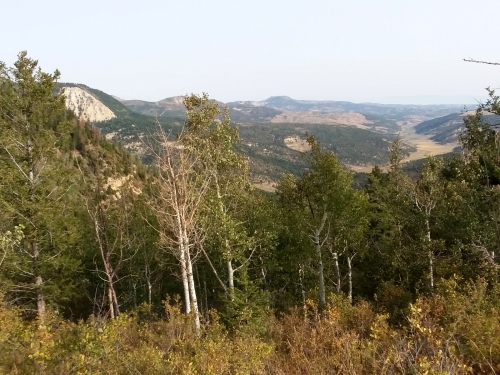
(424, 145)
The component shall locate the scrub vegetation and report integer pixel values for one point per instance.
(111, 266)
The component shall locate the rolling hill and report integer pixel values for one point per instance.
(273, 131)
(446, 129)
(125, 126)
(395, 112)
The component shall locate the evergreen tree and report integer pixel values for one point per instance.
(37, 183)
(325, 208)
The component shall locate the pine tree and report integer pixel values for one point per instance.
(37, 184)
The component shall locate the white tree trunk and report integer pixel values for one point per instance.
(349, 265)
(40, 300)
(111, 303)
(115, 299)
(230, 277)
(317, 243)
(192, 289)
(184, 276)
(431, 255)
(114, 309)
(337, 270)
(148, 281)
(302, 290)
(183, 259)
(149, 292)
(230, 269)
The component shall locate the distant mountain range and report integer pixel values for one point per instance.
(273, 130)
(283, 109)
(394, 111)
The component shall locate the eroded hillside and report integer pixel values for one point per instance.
(86, 106)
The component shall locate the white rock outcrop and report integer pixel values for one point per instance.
(86, 106)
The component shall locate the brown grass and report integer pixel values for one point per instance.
(425, 147)
(328, 118)
(266, 186)
(297, 144)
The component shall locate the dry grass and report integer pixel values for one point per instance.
(268, 186)
(327, 118)
(425, 146)
(297, 144)
(361, 168)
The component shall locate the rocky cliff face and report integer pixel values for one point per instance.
(86, 106)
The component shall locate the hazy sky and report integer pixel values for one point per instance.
(357, 50)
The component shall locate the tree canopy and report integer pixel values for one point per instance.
(400, 276)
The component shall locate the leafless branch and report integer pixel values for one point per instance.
(215, 271)
(481, 62)
(246, 260)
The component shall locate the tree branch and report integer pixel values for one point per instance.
(481, 62)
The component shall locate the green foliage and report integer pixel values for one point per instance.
(321, 209)
(269, 156)
(38, 184)
(123, 345)
(455, 332)
(77, 208)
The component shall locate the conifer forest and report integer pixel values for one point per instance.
(179, 265)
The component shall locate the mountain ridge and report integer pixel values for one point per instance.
(273, 131)
(446, 129)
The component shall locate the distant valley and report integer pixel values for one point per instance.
(446, 129)
(273, 131)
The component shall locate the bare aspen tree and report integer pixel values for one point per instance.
(182, 186)
(116, 242)
(202, 181)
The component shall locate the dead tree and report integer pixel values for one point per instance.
(182, 186)
(116, 243)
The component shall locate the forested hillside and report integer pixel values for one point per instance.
(263, 142)
(109, 266)
(273, 132)
(447, 128)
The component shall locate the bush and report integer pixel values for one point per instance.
(457, 331)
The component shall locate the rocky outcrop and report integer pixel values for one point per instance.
(86, 106)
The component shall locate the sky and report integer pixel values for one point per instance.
(387, 51)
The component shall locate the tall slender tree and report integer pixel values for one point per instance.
(36, 179)
(427, 193)
(181, 190)
(327, 207)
